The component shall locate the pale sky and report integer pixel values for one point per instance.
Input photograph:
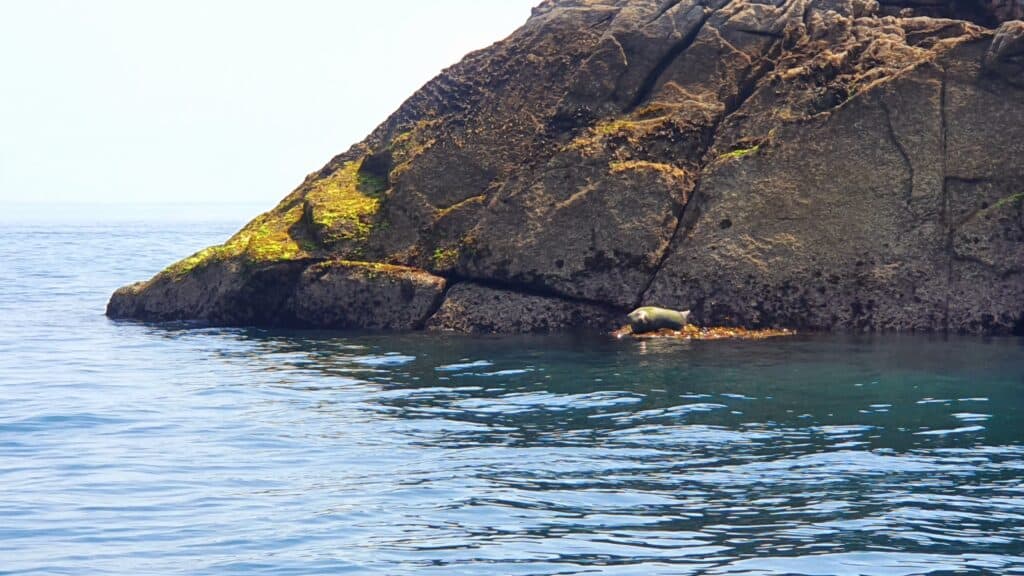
(111, 101)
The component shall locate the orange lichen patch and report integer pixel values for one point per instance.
(692, 332)
(477, 201)
(627, 165)
(408, 145)
(380, 267)
(654, 110)
(373, 271)
(600, 133)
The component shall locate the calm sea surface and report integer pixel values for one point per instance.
(134, 449)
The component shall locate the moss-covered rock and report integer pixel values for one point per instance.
(341, 208)
(276, 236)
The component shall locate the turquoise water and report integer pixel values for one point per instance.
(133, 449)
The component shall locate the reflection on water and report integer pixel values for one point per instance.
(135, 449)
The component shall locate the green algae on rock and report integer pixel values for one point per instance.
(341, 207)
(818, 164)
(274, 236)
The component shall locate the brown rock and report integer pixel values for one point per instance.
(473, 308)
(222, 293)
(341, 294)
(829, 164)
(1005, 56)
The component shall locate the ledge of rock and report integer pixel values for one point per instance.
(341, 294)
(222, 293)
(813, 164)
(472, 308)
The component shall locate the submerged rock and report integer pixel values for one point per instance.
(821, 164)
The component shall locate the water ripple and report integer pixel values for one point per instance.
(138, 449)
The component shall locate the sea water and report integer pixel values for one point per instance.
(143, 449)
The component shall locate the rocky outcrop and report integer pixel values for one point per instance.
(821, 164)
(329, 294)
(219, 292)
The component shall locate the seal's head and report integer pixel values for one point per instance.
(638, 319)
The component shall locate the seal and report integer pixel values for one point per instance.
(651, 318)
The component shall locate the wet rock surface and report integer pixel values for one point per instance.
(816, 164)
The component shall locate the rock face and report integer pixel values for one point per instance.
(473, 308)
(817, 164)
(359, 295)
